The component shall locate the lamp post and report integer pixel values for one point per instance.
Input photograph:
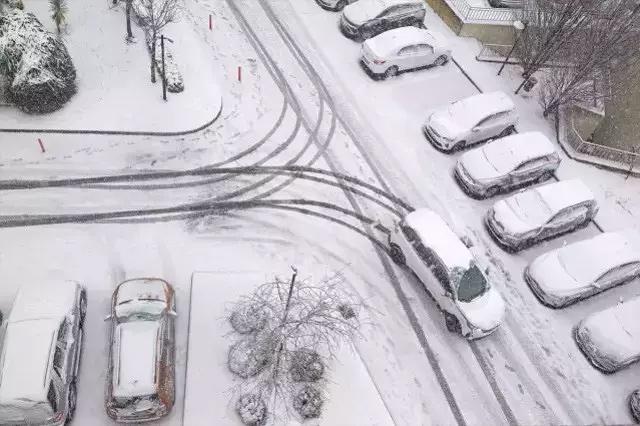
(164, 74)
(519, 26)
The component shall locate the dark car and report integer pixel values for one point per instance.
(141, 372)
(367, 18)
(634, 405)
(512, 4)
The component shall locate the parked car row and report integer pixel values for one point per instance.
(42, 346)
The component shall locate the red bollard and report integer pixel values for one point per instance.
(41, 145)
(210, 23)
(239, 73)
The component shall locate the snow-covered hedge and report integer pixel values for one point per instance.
(248, 319)
(252, 410)
(248, 357)
(306, 366)
(37, 64)
(308, 402)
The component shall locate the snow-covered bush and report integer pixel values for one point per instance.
(306, 366)
(37, 64)
(252, 410)
(248, 358)
(308, 402)
(248, 319)
(15, 4)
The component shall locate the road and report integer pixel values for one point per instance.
(321, 110)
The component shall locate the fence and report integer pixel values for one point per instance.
(616, 155)
(471, 13)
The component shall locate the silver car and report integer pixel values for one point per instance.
(506, 164)
(537, 214)
(40, 357)
(141, 372)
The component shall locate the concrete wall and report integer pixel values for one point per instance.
(621, 125)
(445, 13)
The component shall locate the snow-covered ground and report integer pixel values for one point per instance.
(114, 83)
(529, 372)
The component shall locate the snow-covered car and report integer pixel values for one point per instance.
(580, 270)
(610, 339)
(512, 4)
(41, 351)
(541, 213)
(404, 49)
(424, 242)
(471, 120)
(367, 18)
(506, 163)
(634, 405)
(334, 5)
(141, 371)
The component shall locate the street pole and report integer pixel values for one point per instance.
(518, 25)
(164, 77)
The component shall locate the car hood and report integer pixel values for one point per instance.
(485, 312)
(506, 215)
(553, 280)
(444, 124)
(478, 167)
(362, 11)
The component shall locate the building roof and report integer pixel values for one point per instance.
(27, 354)
(436, 234)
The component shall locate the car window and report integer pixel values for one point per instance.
(407, 50)
(569, 215)
(486, 121)
(58, 360)
(433, 262)
(620, 273)
(424, 49)
(394, 11)
(532, 164)
(62, 333)
(470, 283)
(51, 397)
(409, 233)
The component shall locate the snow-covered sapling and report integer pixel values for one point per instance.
(252, 409)
(308, 402)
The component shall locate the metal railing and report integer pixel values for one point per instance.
(486, 14)
(617, 155)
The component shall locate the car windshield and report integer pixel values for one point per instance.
(140, 309)
(470, 283)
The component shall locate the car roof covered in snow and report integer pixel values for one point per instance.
(563, 194)
(436, 234)
(389, 42)
(26, 356)
(143, 288)
(50, 299)
(510, 151)
(136, 345)
(469, 111)
(587, 260)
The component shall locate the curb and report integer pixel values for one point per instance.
(118, 132)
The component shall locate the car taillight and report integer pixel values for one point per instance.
(57, 417)
(379, 61)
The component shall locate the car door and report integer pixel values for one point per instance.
(483, 130)
(406, 58)
(567, 219)
(63, 359)
(425, 55)
(441, 288)
(528, 170)
(394, 17)
(617, 276)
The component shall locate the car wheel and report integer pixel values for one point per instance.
(441, 60)
(83, 307)
(341, 4)
(452, 323)
(491, 192)
(71, 403)
(397, 255)
(391, 72)
(418, 24)
(506, 132)
(459, 146)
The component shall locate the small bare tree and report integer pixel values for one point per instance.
(289, 329)
(155, 15)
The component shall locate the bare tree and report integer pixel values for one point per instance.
(606, 46)
(155, 15)
(285, 324)
(128, 18)
(59, 11)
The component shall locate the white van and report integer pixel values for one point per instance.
(41, 354)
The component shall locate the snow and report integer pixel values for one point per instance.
(135, 362)
(566, 193)
(54, 299)
(389, 42)
(104, 98)
(212, 389)
(611, 337)
(485, 312)
(434, 232)
(569, 273)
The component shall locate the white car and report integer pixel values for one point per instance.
(424, 242)
(610, 339)
(471, 120)
(404, 49)
(335, 5)
(580, 270)
(41, 351)
(506, 163)
(141, 372)
(537, 214)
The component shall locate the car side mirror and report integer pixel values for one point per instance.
(475, 129)
(172, 313)
(107, 318)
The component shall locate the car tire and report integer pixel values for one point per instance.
(83, 306)
(340, 5)
(391, 72)
(452, 323)
(418, 24)
(397, 255)
(459, 146)
(441, 60)
(72, 401)
(492, 191)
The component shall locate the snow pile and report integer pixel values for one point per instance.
(39, 68)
